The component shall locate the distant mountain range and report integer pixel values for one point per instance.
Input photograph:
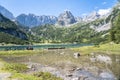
(64, 19)
(32, 20)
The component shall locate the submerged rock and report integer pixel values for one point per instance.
(103, 58)
(107, 76)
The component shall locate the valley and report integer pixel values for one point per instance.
(63, 47)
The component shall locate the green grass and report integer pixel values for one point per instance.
(18, 70)
(104, 48)
(20, 52)
(15, 67)
(46, 76)
(36, 76)
(21, 76)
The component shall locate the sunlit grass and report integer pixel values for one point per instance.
(105, 48)
(20, 52)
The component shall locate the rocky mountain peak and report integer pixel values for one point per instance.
(66, 18)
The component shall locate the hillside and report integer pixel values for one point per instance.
(10, 32)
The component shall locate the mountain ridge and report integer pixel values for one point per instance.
(64, 19)
(6, 13)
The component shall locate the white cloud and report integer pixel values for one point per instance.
(104, 11)
(104, 3)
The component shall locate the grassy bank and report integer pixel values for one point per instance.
(103, 48)
(20, 52)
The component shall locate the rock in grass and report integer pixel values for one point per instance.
(76, 55)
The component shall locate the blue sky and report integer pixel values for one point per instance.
(55, 7)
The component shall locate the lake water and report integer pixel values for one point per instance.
(43, 46)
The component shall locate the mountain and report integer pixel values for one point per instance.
(6, 13)
(32, 20)
(91, 17)
(66, 18)
(10, 32)
(94, 31)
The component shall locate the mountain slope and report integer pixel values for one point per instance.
(6, 13)
(11, 30)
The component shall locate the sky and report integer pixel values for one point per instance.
(55, 7)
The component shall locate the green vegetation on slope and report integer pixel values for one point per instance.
(79, 33)
(7, 38)
(115, 30)
(10, 32)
